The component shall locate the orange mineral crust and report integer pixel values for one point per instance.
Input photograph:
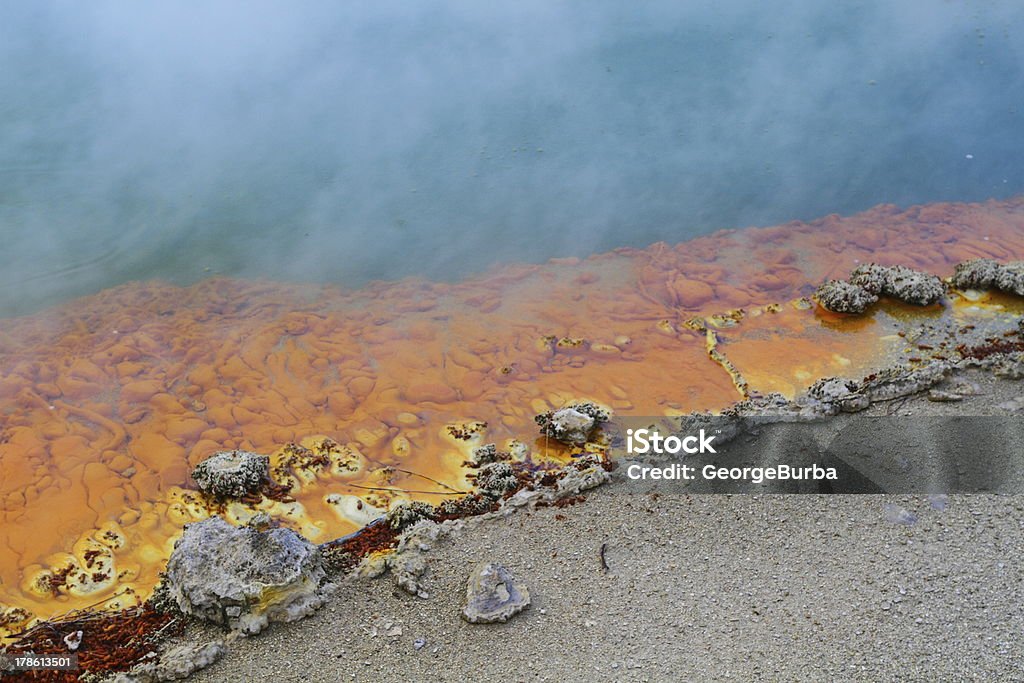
(109, 401)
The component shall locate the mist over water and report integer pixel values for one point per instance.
(342, 142)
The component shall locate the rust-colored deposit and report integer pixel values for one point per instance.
(106, 641)
(109, 401)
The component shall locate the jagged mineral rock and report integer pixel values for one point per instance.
(984, 273)
(574, 423)
(489, 453)
(473, 504)
(408, 562)
(176, 663)
(232, 474)
(408, 570)
(898, 381)
(496, 479)
(871, 277)
(976, 274)
(869, 281)
(842, 297)
(493, 595)
(244, 578)
(914, 287)
(1009, 367)
(1011, 278)
(407, 513)
(771, 405)
(943, 396)
(900, 282)
(838, 395)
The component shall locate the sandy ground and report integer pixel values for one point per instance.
(699, 587)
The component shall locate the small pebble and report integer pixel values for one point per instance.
(940, 396)
(894, 514)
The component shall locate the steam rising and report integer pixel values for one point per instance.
(351, 141)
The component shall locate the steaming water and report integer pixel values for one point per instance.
(350, 141)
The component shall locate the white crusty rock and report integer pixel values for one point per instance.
(870, 281)
(985, 273)
(232, 474)
(245, 578)
(899, 381)
(906, 284)
(574, 423)
(978, 273)
(409, 568)
(496, 479)
(915, 287)
(1011, 278)
(176, 663)
(583, 473)
(493, 595)
(838, 395)
(842, 297)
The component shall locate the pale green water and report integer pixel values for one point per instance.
(351, 141)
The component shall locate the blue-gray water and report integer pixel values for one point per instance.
(346, 141)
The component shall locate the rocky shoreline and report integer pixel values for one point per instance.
(426, 593)
(240, 579)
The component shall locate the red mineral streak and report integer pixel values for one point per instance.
(109, 401)
(110, 642)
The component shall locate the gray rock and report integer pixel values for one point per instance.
(1011, 278)
(408, 562)
(985, 273)
(976, 274)
(870, 281)
(966, 388)
(232, 474)
(898, 381)
(899, 282)
(407, 513)
(571, 425)
(244, 578)
(1011, 406)
(894, 514)
(1009, 367)
(768, 405)
(493, 595)
(914, 287)
(871, 277)
(496, 479)
(409, 570)
(842, 297)
(943, 396)
(175, 663)
(574, 423)
(489, 453)
(838, 395)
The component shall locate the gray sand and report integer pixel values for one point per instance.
(699, 587)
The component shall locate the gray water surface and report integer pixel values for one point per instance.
(351, 141)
